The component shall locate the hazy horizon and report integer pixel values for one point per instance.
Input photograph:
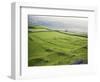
(75, 24)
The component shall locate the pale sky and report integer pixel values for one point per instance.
(56, 22)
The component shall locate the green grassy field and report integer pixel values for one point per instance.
(48, 47)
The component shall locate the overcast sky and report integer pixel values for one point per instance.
(76, 24)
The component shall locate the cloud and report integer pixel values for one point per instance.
(65, 23)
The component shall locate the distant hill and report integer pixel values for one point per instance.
(37, 27)
(63, 23)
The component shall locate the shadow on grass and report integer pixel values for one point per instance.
(81, 61)
(37, 62)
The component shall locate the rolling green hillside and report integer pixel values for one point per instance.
(46, 47)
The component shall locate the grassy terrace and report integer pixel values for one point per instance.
(46, 47)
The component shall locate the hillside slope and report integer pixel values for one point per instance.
(46, 47)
